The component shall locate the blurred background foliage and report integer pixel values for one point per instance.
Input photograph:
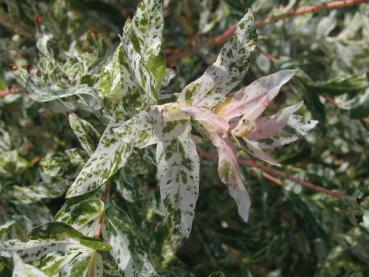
(293, 230)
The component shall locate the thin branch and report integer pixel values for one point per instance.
(272, 172)
(14, 25)
(298, 11)
(267, 55)
(104, 198)
(10, 91)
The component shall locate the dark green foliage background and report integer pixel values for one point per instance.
(292, 231)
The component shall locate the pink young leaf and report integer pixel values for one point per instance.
(252, 100)
(207, 118)
(229, 173)
(266, 127)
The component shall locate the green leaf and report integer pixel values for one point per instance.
(313, 103)
(358, 106)
(83, 216)
(340, 85)
(178, 175)
(157, 65)
(127, 249)
(3, 85)
(59, 231)
(85, 133)
(112, 77)
(85, 264)
(227, 71)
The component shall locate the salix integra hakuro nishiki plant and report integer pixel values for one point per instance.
(92, 234)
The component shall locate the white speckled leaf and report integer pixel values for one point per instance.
(25, 270)
(158, 123)
(141, 42)
(227, 71)
(83, 216)
(51, 256)
(127, 250)
(85, 133)
(117, 142)
(147, 28)
(296, 128)
(137, 66)
(178, 176)
(45, 94)
(55, 246)
(111, 154)
(110, 82)
(85, 264)
(35, 249)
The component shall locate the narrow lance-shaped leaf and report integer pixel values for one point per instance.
(83, 216)
(85, 264)
(25, 270)
(117, 142)
(251, 101)
(227, 71)
(111, 79)
(67, 257)
(146, 33)
(58, 248)
(296, 128)
(141, 42)
(85, 133)
(265, 127)
(127, 249)
(111, 154)
(178, 177)
(60, 231)
(229, 173)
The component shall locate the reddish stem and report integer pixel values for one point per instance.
(10, 91)
(298, 11)
(104, 198)
(272, 171)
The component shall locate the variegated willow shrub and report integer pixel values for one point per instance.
(146, 133)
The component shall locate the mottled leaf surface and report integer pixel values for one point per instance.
(127, 250)
(227, 71)
(178, 176)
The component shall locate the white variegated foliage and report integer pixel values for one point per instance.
(83, 216)
(227, 71)
(127, 249)
(25, 270)
(131, 81)
(178, 177)
(239, 115)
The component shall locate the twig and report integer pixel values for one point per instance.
(338, 4)
(104, 198)
(298, 11)
(272, 171)
(10, 91)
(14, 25)
(267, 55)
